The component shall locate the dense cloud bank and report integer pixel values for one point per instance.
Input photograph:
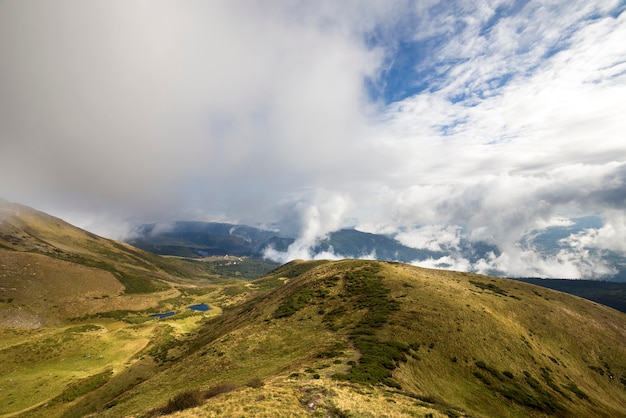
(439, 123)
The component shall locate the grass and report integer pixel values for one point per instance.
(298, 301)
(139, 283)
(59, 365)
(354, 338)
(482, 333)
(489, 286)
(239, 267)
(83, 386)
(364, 287)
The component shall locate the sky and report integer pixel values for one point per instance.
(431, 121)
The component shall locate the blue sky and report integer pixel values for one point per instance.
(432, 121)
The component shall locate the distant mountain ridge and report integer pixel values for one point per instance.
(202, 239)
(612, 294)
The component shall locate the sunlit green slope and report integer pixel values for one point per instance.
(367, 338)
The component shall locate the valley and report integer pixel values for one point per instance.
(81, 336)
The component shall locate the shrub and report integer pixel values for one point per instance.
(332, 353)
(182, 401)
(378, 358)
(85, 385)
(293, 304)
(489, 286)
(255, 382)
(576, 391)
(482, 378)
(492, 371)
(534, 383)
(218, 389)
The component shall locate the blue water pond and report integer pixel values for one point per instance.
(162, 315)
(200, 307)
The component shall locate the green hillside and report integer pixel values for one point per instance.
(51, 271)
(367, 338)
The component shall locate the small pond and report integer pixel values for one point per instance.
(162, 315)
(199, 307)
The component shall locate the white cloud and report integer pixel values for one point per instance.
(609, 237)
(446, 263)
(431, 237)
(313, 222)
(259, 112)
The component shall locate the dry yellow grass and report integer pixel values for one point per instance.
(314, 397)
(555, 346)
(36, 290)
(47, 290)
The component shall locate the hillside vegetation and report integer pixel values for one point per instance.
(51, 271)
(75, 308)
(79, 337)
(367, 338)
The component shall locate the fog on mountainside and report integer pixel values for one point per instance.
(201, 239)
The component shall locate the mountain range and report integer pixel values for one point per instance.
(95, 327)
(202, 239)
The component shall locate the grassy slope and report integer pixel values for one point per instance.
(470, 326)
(359, 337)
(51, 271)
(55, 277)
(38, 365)
(25, 229)
(42, 366)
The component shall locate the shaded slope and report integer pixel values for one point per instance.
(445, 342)
(51, 271)
(201, 239)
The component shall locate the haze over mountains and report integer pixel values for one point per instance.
(201, 239)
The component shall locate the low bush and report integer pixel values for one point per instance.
(84, 386)
(378, 358)
(182, 401)
(218, 389)
(490, 370)
(482, 378)
(576, 391)
(489, 286)
(255, 383)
